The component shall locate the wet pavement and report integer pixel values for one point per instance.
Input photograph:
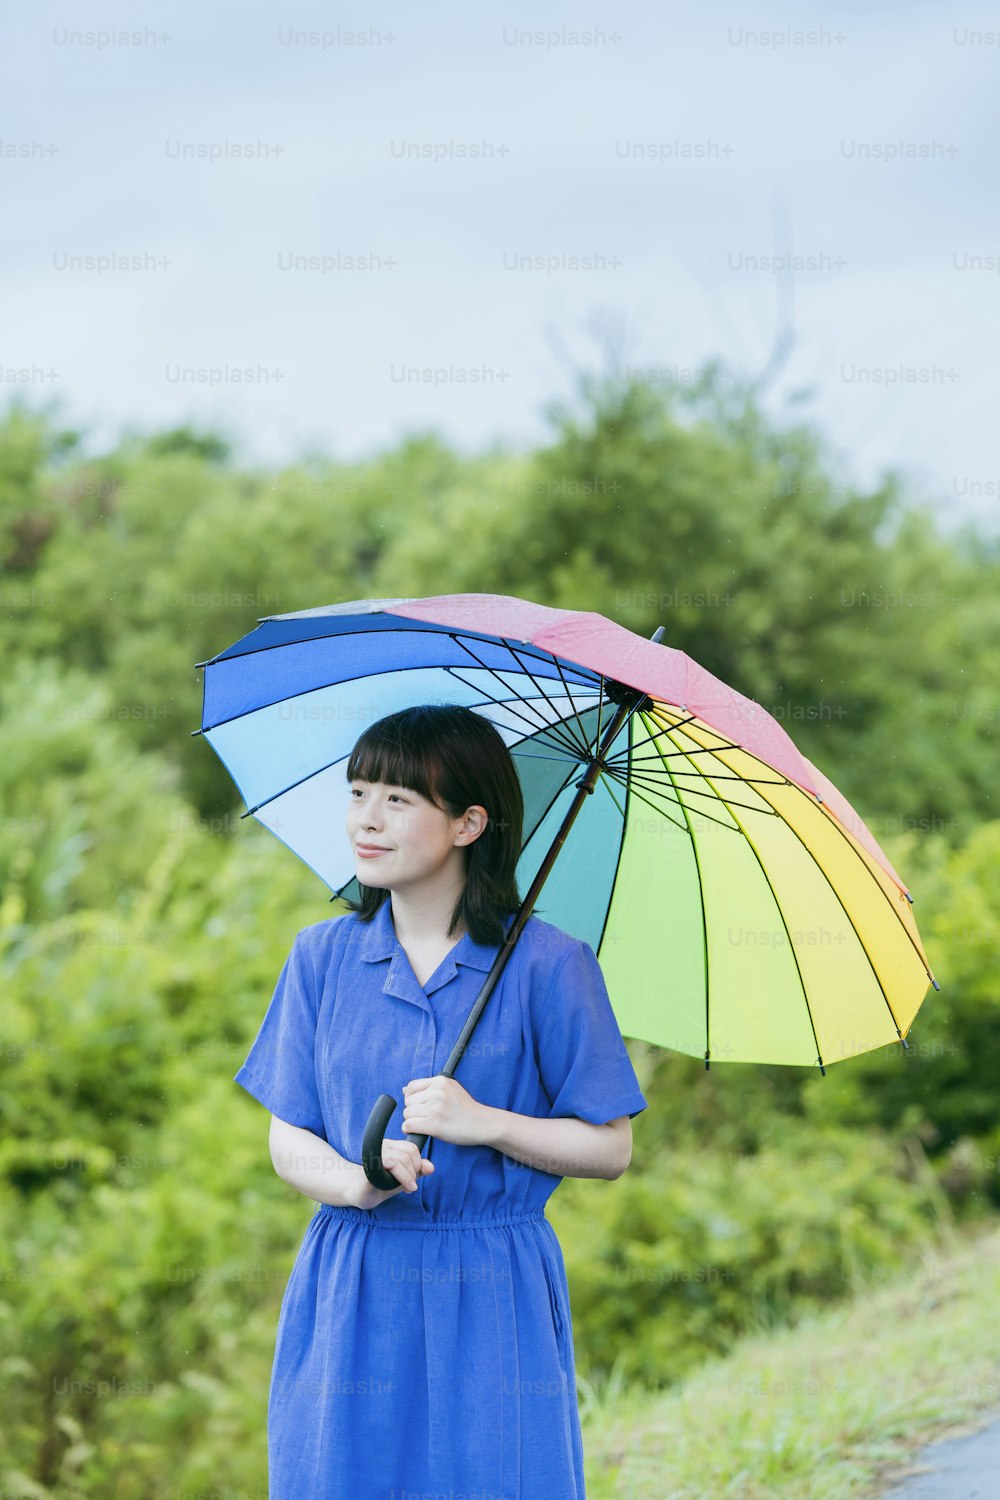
(965, 1468)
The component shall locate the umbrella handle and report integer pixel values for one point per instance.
(371, 1144)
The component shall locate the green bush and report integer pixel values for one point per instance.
(682, 1255)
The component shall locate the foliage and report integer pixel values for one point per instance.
(944, 1089)
(692, 1250)
(144, 1238)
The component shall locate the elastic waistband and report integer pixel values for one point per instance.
(371, 1218)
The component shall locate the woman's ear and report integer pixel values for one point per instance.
(474, 823)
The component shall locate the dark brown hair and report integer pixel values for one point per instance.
(456, 759)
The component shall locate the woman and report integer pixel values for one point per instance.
(425, 1341)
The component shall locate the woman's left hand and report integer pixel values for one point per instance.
(441, 1107)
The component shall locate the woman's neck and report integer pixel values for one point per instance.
(425, 921)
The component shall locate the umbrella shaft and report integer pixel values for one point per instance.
(584, 788)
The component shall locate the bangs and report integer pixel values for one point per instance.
(395, 761)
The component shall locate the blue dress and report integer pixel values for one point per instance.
(426, 1345)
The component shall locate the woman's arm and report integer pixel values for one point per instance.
(306, 1162)
(565, 1147)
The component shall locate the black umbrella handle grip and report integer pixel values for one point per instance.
(371, 1144)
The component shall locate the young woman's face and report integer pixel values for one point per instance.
(399, 838)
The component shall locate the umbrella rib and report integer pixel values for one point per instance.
(704, 922)
(781, 914)
(861, 943)
(749, 780)
(549, 726)
(786, 781)
(701, 749)
(556, 760)
(543, 723)
(660, 756)
(607, 776)
(636, 780)
(621, 841)
(252, 811)
(844, 835)
(585, 749)
(630, 787)
(607, 787)
(657, 715)
(558, 666)
(693, 791)
(695, 750)
(651, 739)
(600, 708)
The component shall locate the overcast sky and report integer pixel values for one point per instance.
(449, 207)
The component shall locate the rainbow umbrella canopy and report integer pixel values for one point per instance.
(738, 906)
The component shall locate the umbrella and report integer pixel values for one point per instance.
(737, 904)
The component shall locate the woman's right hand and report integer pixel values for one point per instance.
(406, 1164)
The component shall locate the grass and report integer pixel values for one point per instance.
(828, 1410)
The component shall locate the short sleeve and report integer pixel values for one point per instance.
(280, 1068)
(584, 1065)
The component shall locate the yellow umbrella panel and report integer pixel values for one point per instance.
(768, 929)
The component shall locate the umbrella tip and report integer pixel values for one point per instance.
(657, 635)
(706, 1062)
(821, 1067)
